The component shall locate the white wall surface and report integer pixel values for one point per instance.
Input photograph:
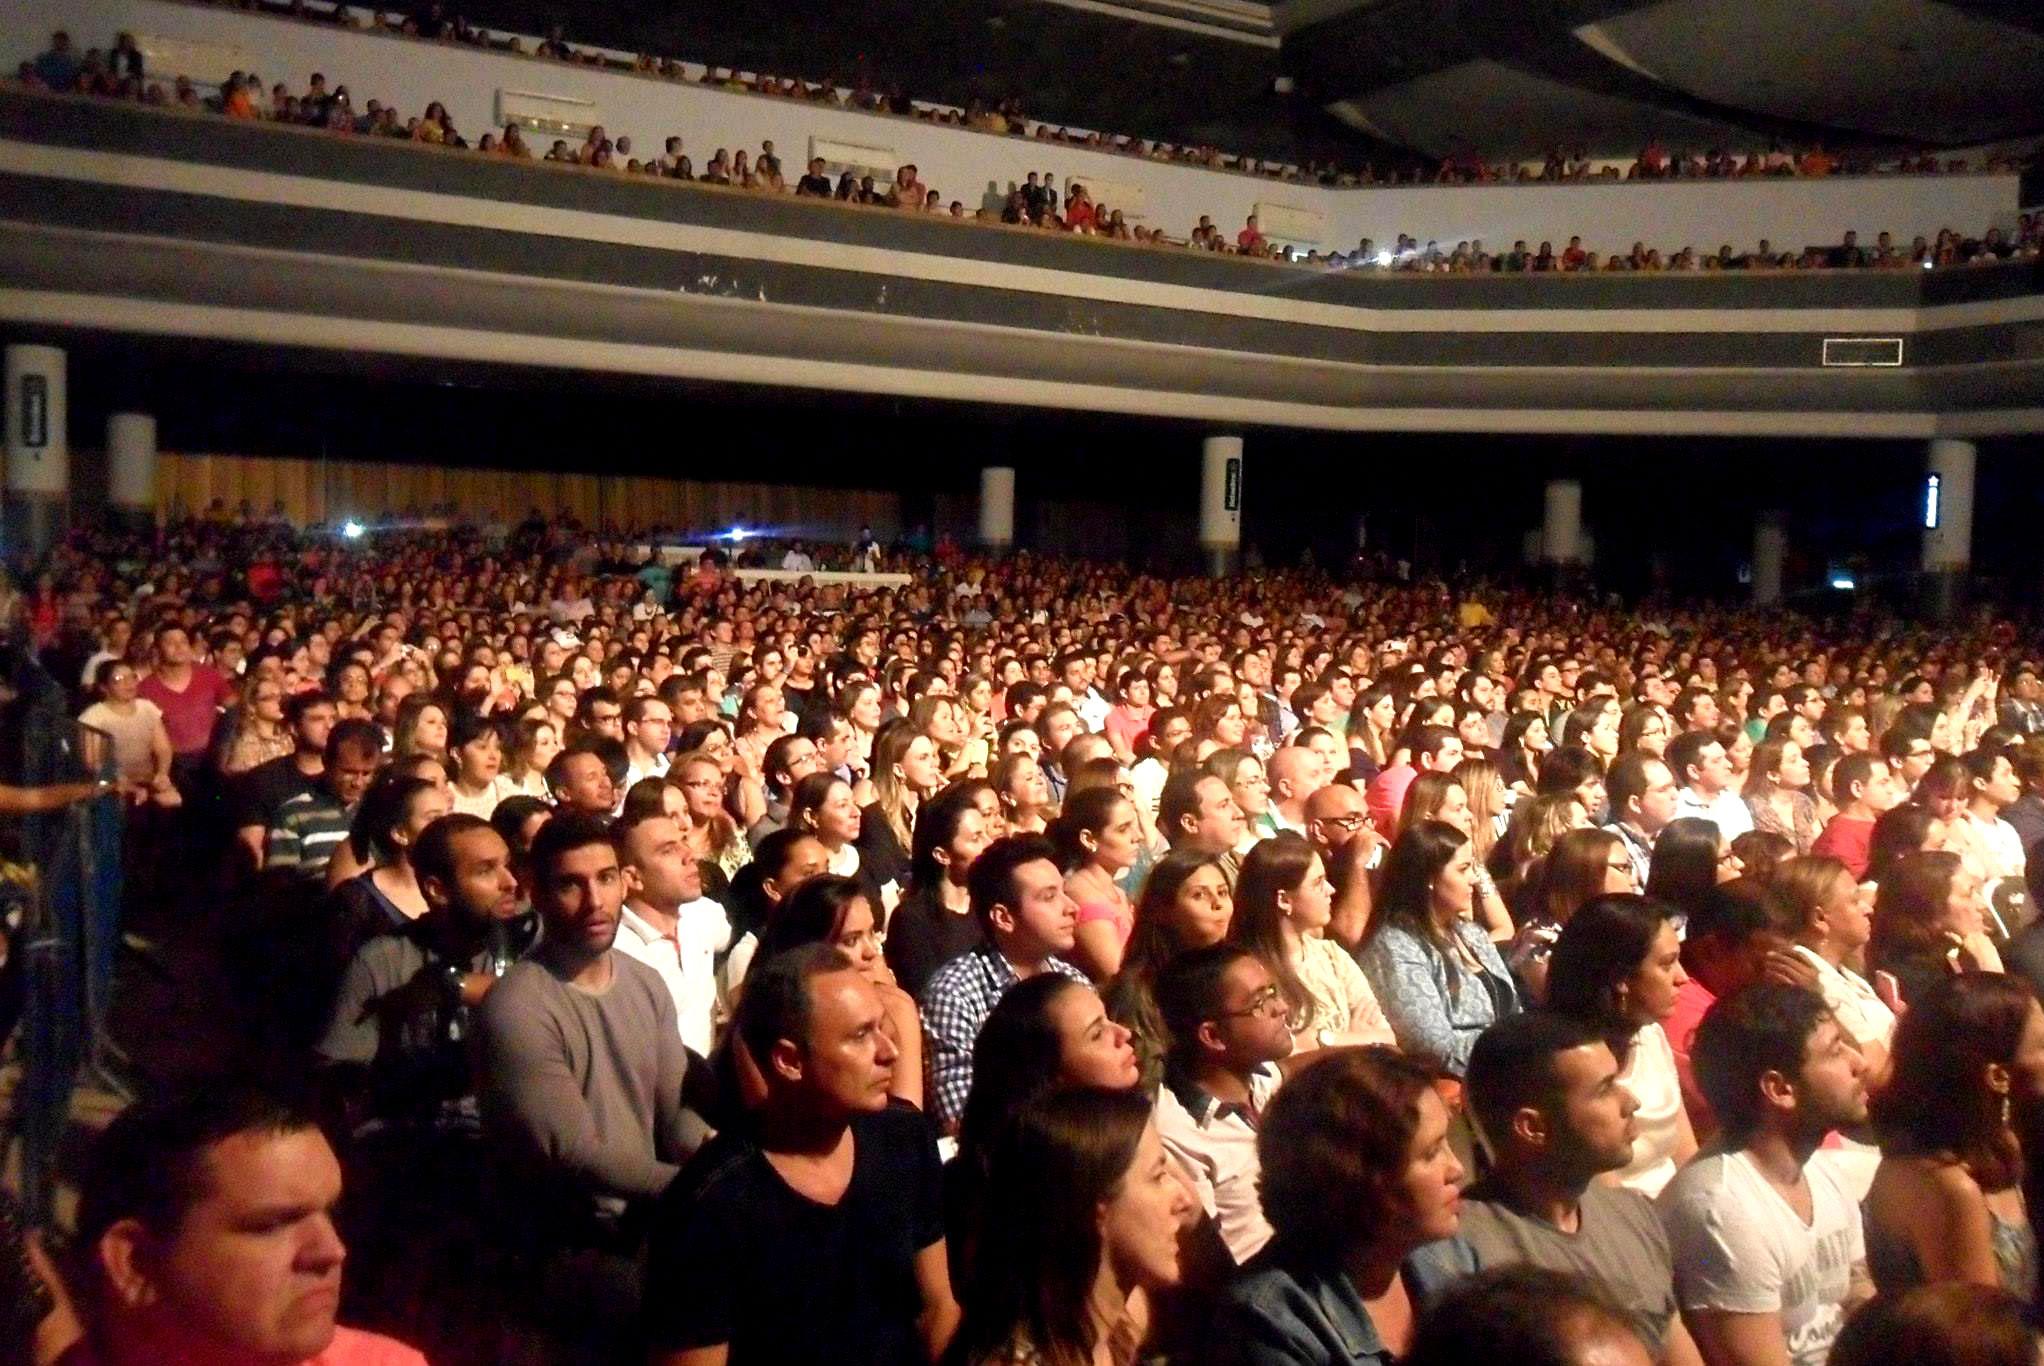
(970, 166)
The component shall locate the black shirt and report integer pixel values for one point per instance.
(922, 936)
(260, 791)
(818, 185)
(739, 1257)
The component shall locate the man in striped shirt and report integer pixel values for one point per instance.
(310, 826)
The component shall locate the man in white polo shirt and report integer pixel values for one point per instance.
(669, 925)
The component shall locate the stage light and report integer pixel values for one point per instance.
(352, 529)
(1844, 583)
(737, 533)
(1383, 258)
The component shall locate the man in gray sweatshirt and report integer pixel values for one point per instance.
(582, 1075)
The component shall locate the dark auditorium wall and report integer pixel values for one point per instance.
(332, 490)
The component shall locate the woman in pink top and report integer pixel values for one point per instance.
(1098, 838)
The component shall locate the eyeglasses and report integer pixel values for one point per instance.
(1352, 821)
(1259, 1004)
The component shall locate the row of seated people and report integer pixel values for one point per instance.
(1656, 162)
(1216, 931)
(1034, 203)
(1006, 118)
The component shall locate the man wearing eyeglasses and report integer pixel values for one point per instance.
(1227, 1023)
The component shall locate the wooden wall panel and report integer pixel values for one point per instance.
(316, 491)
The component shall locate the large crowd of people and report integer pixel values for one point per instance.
(1042, 963)
(1037, 201)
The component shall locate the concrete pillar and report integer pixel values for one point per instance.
(1220, 503)
(1948, 523)
(1561, 534)
(38, 450)
(131, 467)
(997, 507)
(1770, 548)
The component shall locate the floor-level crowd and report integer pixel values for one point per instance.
(611, 960)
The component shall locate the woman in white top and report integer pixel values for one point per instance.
(1617, 966)
(142, 750)
(1283, 902)
(822, 805)
(476, 755)
(533, 746)
(1833, 920)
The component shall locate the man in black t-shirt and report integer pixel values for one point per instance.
(816, 182)
(814, 1232)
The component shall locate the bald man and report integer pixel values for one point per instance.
(1295, 775)
(1338, 823)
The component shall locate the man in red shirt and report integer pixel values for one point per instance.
(190, 695)
(1251, 238)
(1865, 787)
(206, 1234)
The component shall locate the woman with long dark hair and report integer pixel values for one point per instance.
(1690, 859)
(1435, 971)
(1949, 1202)
(1186, 904)
(1283, 902)
(1047, 1033)
(1929, 924)
(1082, 1212)
(1617, 967)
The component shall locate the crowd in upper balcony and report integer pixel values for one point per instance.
(1036, 202)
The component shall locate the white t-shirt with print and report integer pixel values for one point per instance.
(1739, 1248)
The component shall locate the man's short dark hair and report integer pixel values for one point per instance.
(563, 835)
(299, 703)
(1685, 752)
(774, 764)
(1023, 694)
(557, 767)
(1188, 992)
(150, 1163)
(1853, 770)
(1530, 1307)
(1627, 780)
(433, 851)
(1427, 741)
(776, 1002)
(1512, 1065)
(1179, 799)
(1568, 767)
(992, 882)
(1759, 1029)
(1980, 762)
(353, 734)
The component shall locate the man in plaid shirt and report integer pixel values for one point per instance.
(1018, 895)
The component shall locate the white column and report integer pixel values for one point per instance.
(1220, 502)
(1770, 548)
(38, 447)
(1561, 535)
(997, 506)
(131, 464)
(1947, 506)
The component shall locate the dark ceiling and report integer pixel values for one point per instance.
(1392, 81)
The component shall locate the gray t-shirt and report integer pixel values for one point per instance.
(581, 1090)
(1619, 1241)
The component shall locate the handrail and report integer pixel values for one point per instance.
(1168, 245)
